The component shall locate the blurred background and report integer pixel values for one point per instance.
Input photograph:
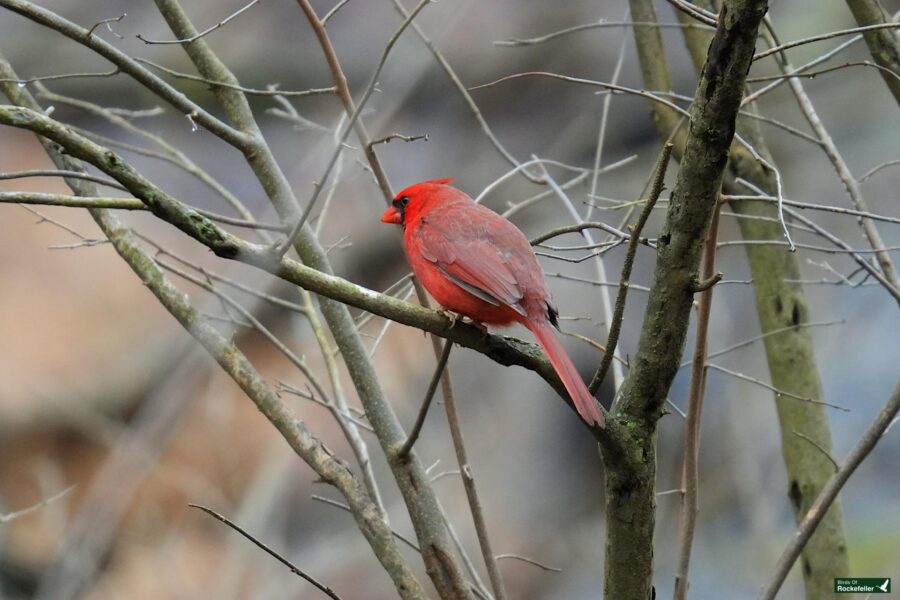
(102, 392)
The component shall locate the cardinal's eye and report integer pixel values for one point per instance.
(401, 202)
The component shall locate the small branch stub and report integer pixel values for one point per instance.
(702, 286)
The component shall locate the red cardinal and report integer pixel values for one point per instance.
(476, 263)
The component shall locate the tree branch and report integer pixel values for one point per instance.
(294, 569)
(690, 474)
(828, 495)
(404, 451)
(624, 280)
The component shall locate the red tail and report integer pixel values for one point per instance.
(581, 397)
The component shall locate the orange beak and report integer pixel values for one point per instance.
(392, 215)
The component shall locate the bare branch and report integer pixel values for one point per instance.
(888, 285)
(269, 91)
(763, 336)
(294, 569)
(825, 36)
(750, 98)
(811, 206)
(690, 470)
(530, 561)
(602, 23)
(814, 74)
(346, 508)
(398, 136)
(333, 11)
(203, 33)
(818, 447)
(71, 174)
(624, 279)
(99, 202)
(876, 169)
(108, 23)
(829, 493)
(26, 81)
(404, 451)
(778, 392)
(706, 284)
(12, 516)
(468, 479)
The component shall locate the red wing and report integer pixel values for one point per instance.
(474, 264)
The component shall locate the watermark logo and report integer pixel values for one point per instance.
(862, 585)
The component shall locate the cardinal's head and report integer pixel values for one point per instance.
(415, 200)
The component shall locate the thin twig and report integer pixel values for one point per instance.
(530, 561)
(398, 136)
(829, 493)
(750, 98)
(891, 288)
(281, 386)
(814, 74)
(108, 23)
(468, 479)
(619, 310)
(520, 167)
(516, 207)
(614, 87)
(763, 336)
(45, 219)
(602, 23)
(884, 165)
(809, 205)
(296, 571)
(12, 516)
(346, 508)
(333, 11)
(818, 447)
(271, 90)
(593, 344)
(577, 227)
(478, 585)
(72, 174)
(404, 451)
(203, 33)
(778, 391)
(24, 82)
(690, 471)
(825, 249)
(404, 295)
(824, 36)
(44, 199)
